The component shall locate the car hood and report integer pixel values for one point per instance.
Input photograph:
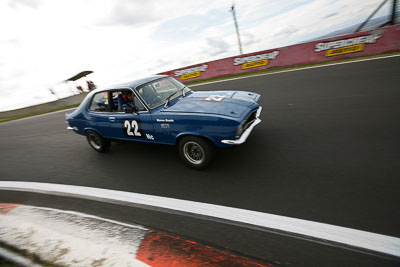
(227, 103)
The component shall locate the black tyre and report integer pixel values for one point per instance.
(196, 151)
(97, 142)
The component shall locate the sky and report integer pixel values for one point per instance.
(44, 42)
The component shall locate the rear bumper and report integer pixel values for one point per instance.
(246, 133)
(72, 128)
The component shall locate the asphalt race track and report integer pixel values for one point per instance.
(327, 150)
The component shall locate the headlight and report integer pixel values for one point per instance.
(240, 130)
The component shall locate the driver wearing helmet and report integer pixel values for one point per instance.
(129, 101)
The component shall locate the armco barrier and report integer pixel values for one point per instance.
(379, 41)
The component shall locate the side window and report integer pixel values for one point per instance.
(139, 104)
(99, 102)
(123, 99)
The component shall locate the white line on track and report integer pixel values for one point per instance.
(93, 217)
(351, 237)
(298, 69)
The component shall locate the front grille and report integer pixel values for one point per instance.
(250, 119)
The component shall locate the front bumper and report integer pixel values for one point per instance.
(246, 133)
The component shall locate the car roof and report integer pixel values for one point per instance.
(130, 84)
(133, 84)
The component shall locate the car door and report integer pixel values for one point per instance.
(98, 114)
(136, 125)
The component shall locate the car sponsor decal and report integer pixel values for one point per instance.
(165, 120)
(256, 60)
(149, 137)
(191, 73)
(165, 125)
(346, 46)
(132, 128)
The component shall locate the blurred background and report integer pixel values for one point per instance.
(44, 42)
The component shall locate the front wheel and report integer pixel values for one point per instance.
(97, 142)
(196, 152)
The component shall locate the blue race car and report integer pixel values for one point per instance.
(160, 109)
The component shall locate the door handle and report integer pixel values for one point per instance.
(111, 118)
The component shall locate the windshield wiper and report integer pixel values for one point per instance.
(171, 95)
(168, 98)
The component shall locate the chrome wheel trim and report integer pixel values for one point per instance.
(193, 152)
(94, 141)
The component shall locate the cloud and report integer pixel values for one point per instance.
(284, 31)
(133, 13)
(159, 65)
(217, 46)
(28, 3)
(249, 39)
(18, 73)
(331, 15)
(40, 97)
(188, 27)
(11, 42)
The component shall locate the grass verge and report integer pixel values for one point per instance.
(37, 113)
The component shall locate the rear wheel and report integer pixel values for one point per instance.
(196, 152)
(97, 142)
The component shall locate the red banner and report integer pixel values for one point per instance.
(379, 41)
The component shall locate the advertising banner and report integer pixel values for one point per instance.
(382, 40)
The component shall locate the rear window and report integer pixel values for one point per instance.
(99, 102)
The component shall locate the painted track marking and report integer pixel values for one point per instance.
(70, 238)
(323, 232)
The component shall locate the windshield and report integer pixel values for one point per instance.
(158, 92)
